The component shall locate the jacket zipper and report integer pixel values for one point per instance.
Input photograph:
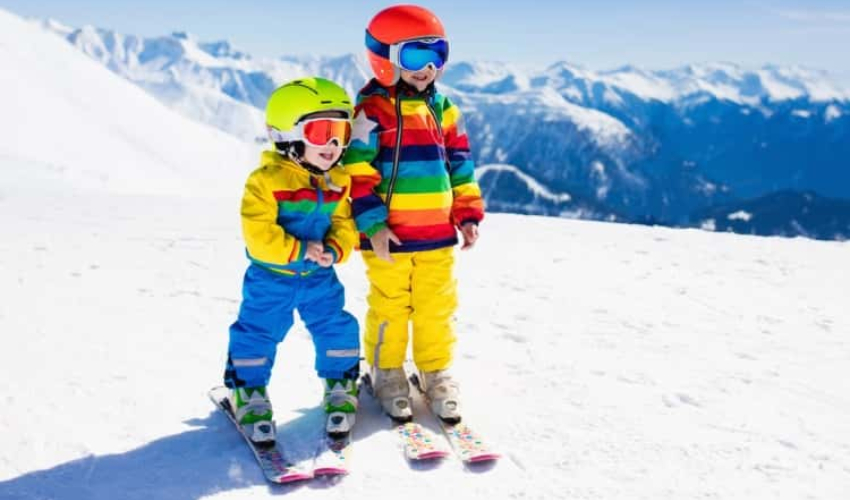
(442, 138)
(320, 196)
(397, 152)
(439, 125)
(320, 200)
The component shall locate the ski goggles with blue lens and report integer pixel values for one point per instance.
(412, 55)
(415, 55)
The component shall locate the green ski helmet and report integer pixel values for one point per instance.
(293, 101)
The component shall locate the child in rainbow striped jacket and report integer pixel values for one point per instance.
(413, 189)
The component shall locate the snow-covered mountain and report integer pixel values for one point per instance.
(782, 213)
(484, 77)
(209, 82)
(69, 123)
(630, 143)
(702, 135)
(559, 145)
(723, 81)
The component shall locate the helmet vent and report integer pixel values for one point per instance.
(298, 83)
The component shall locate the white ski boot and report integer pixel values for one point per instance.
(340, 406)
(253, 411)
(391, 389)
(443, 394)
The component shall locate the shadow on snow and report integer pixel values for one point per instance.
(199, 462)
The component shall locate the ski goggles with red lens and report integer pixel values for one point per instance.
(412, 55)
(316, 132)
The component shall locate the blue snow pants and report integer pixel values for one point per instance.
(266, 315)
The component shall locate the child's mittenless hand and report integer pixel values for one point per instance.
(469, 231)
(315, 249)
(381, 243)
(316, 252)
(326, 260)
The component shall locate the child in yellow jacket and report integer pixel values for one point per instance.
(296, 222)
(413, 189)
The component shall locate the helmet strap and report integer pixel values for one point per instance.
(296, 154)
(408, 89)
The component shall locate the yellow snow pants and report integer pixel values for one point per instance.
(418, 288)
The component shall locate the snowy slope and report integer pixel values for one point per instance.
(70, 122)
(627, 362)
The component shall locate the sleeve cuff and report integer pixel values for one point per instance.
(374, 229)
(298, 252)
(331, 248)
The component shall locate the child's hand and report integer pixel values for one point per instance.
(326, 259)
(316, 252)
(470, 235)
(315, 249)
(381, 243)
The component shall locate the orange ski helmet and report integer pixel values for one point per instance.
(397, 24)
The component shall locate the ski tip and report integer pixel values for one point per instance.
(330, 471)
(293, 477)
(484, 458)
(432, 455)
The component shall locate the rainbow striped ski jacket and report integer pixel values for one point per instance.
(285, 206)
(411, 169)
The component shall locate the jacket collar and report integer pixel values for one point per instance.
(373, 88)
(273, 158)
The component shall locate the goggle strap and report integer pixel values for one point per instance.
(376, 46)
(280, 136)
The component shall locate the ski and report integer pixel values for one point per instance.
(469, 446)
(418, 443)
(333, 456)
(276, 468)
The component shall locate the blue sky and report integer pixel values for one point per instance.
(598, 34)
